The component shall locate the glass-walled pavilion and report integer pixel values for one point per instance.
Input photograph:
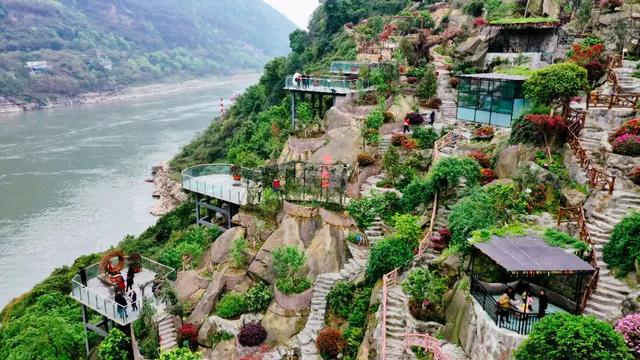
(492, 98)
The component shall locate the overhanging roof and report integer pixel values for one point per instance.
(523, 255)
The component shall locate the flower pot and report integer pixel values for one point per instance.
(295, 302)
(236, 177)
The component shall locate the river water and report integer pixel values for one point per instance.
(72, 179)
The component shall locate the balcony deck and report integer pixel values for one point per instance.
(98, 294)
(330, 85)
(214, 180)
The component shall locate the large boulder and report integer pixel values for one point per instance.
(219, 250)
(327, 251)
(281, 325)
(224, 350)
(511, 157)
(187, 283)
(205, 305)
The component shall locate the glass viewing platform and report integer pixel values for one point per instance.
(98, 294)
(333, 85)
(215, 180)
(347, 67)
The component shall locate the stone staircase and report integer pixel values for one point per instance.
(445, 92)
(385, 143)
(606, 301)
(167, 333)
(352, 270)
(396, 321)
(628, 84)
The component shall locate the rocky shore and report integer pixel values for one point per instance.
(167, 191)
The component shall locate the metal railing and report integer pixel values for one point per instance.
(348, 67)
(511, 319)
(427, 342)
(104, 304)
(326, 84)
(241, 192)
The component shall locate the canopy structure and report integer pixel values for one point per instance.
(532, 256)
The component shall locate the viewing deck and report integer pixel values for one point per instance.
(98, 293)
(215, 180)
(332, 85)
(348, 67)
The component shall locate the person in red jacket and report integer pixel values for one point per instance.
(405, 129)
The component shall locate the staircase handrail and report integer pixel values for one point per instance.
(426, 342)
(624, 100)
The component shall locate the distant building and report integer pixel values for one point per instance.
(38, 67)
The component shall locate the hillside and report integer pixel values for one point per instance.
(105, 45)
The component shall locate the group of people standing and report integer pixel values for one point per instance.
(302, 79)
(507, 301)
(127, 293)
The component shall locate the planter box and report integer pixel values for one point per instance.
(295, 302)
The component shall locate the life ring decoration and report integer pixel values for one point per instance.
(107, 265)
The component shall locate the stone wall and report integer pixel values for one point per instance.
(470, 326)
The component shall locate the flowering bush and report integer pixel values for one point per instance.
(630, 127)
(398, 139)
(252, 334)
(479, 21)
(409, 144)
(330, 342)
(482, 158)
(634, 175)
(589, 56)
(365, 159)
(629, 327)
(484, 132)
(551, 127)
(627, 144)
(415, 118)
(188, 332)
(487, 176)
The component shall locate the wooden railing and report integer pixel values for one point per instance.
(392, 276)
(576, 215)
(427, 342)
(631, 101)
(575, 120)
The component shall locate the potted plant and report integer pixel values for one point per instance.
(292, 292)
(236, 172)
(236, 273)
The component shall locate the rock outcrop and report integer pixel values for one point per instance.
(168, 191)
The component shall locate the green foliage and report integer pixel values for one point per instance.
(237, 252)
(474, 8)
(564, 336)
(623, 249)
(523, 20)
(407, 229)
(497, 9)
(271, 204)
(556, 84)
(443, 177)
(220, 336)
(366, 209)
(358, 315)
(563, 240)
(526, 132)
(391, 164)
(483, 235)
(422, 284)
(340, 298)
(386, 255)
(114, 346)
(231, 305)
(287, 261)
(428, 84)
(146, 332)
(258, 297)
(180, 354)
(425, 137)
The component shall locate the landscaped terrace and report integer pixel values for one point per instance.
(94, 289)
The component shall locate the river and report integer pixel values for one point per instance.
(72, 179)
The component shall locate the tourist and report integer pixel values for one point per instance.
(305, 80)
(504, 303)
(133, 297)
(432, 118)
(511, 293)
(121, 301)
(130, 276)
(296, 78)
(527, 303)
(276, 185)
(544, 303)
(405, 129)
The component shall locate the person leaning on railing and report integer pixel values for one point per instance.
(504, 304)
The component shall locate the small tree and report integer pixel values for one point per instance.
(386, 255)
(564, 336)
(115, 346)
(287, 261)
(428, 84)
(237, 253)
(391, 164)
(623, 249)
(556, 84)
(422, 284)
(407, 229)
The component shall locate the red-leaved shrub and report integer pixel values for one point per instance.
(415, 118)
(484, 132)
(409, 144)
(252, 334)
(479, 21)
(330, 342)
(398, 139)
(365, 159)
(482, 158)
(631, 127)
(627, 144)
(487, 176)
(188, 332)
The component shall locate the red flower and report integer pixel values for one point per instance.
(479, 21)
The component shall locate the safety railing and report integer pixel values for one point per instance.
(99, 298)
(427, 342)
(240, 192)
(576, 215)
(327, 84)
(348, 67)
(506, 318)
(629, 101)
(387, 279)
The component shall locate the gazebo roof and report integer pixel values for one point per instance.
(530, 255)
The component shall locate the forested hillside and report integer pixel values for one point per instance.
(92, 45)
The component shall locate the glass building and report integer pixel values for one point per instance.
(492, 98)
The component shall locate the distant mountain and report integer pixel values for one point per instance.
(52, 48)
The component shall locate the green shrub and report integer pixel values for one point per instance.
(422, 284)
(172, 256)
(366, 209)
(474, 8)
(180, 354)
(287, 261)
(391, 164)
(237, 253)
(386, 255)
(231, 305)
(340, 298)
(623, 249)
(556, 84)
(293, 286)
(271, 203)
(258, 297)
(114, 346)
(428, 84)
(358, 315)
(220, 336)
(564, 336)
(407, 229)
(425, 137)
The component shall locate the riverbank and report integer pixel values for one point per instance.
(9, 105)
